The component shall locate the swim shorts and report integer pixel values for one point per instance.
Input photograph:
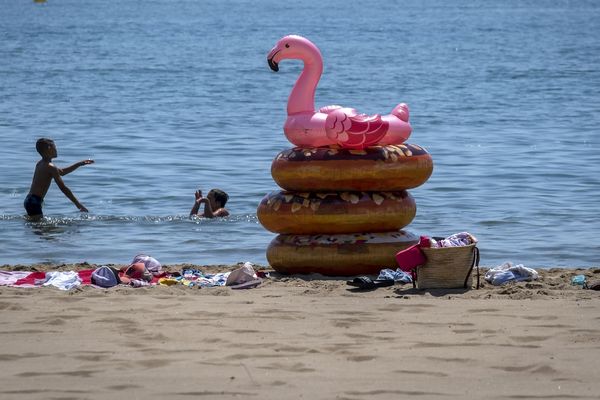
(33, 204)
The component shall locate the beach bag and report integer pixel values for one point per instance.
(105, 277)
(448, 267)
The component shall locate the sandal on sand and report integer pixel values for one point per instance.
(364, 282)
(593, 285)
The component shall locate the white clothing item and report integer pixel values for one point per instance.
(508, 272)
(213, 280)
(64, 280)
(8, 278)
(456, 240)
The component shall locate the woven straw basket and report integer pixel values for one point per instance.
(448, 267)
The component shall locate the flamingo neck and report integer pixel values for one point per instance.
(302, 97)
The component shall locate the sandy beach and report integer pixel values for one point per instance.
(301, 337)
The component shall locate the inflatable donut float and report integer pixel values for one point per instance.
(337, 255)
(306, 213)
(378, 168)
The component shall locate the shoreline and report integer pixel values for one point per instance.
(553, 283)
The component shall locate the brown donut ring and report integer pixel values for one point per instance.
(378, 168)
(338, 255)
(334, 213)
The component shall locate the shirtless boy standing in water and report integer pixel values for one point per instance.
(45, 171)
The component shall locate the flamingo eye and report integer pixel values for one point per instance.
(287, 45)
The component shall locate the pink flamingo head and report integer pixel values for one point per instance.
(294, 47)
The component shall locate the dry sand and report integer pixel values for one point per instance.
(302, 337)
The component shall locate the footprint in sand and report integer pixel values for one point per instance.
(292, 349)
(349, 322)
(11, 307)
(296, 367)
(361, 358)
(213, 394)
(540, 317)
(452, 359)
(483, 310)
(27, 331)
(100, 356)
(409, 393)
(124, 387)
(529, 339)
(126, 325)
(426, 373)
(534, 368)
(154, 363)
(463, 331)
(12, 357)
(80, 373)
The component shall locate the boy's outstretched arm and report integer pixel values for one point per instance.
(71, 168)
(67, 192)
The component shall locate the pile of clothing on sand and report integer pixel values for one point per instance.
(143, 271)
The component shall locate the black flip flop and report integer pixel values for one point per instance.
(365, 283)
(593, 285)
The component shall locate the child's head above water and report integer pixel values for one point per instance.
(218, 196)
(46, 147)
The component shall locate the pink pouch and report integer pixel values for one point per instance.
(410, 258)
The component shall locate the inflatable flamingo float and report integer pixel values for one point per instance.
(330, 125)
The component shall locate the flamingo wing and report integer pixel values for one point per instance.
(355, 131)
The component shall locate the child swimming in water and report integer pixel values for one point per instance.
(45, 171)
(214, 204)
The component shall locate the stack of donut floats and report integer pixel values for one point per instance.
(341, 210)
(344, 199)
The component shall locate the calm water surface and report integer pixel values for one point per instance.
(171, 96)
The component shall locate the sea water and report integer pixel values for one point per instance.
(172, 96)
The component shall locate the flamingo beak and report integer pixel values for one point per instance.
(273, 65)
(271, 59)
